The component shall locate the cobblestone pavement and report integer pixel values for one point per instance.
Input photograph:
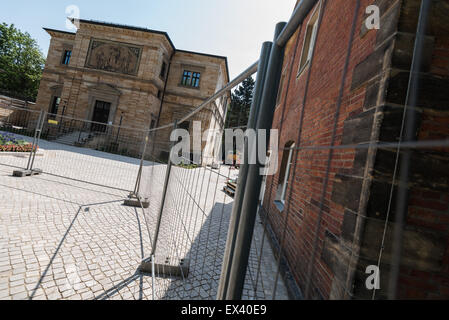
(67, 239)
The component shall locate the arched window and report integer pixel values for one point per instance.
(284, 173)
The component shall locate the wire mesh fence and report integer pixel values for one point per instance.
(194, 208)
(17, 123)
(77, 149)
(332, 210)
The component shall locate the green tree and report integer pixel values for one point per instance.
(241, 100)
(21, 63)
(240, 107)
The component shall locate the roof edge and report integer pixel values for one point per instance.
(59, 31)
(115, 25)
(124, 26)
(209, 55)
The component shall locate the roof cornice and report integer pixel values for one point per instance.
(122, 26)
(165, 34)
(54, 31)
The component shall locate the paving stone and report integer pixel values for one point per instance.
(101, 247)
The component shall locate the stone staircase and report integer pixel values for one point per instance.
(74, 138)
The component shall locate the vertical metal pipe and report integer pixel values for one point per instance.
(38, 124)
(153, 276)
(408, 134)
(238, 199)
(164, 195)
(254, 181)
(139, 174)
(38, 139)
(119, 127)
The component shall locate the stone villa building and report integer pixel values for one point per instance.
(129, 76)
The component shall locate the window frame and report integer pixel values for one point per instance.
(191, 79)
(54, 106)
(163, 72)
(309, 43)
(67, 54)
(196, 78)
(284, 176)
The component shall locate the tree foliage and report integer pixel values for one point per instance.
(21, 63)
(241, 100)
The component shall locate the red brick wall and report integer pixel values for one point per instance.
(324, 234)
(318, 111)
(428, 208)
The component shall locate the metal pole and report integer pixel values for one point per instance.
(302, 9)
(252, 190)
(139, 174)
(38, 139)
(34, 139)
(238, 199)
(164, 195)
(119, 126)
(153, 275)
(408, 131)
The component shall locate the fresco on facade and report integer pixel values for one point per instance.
(113, 57)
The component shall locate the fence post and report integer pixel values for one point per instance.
(139, 175)
(238, 199)
(36, 130)
(251, 193)
(37, 143)
(134, 199)
(29, 171)
(164, 195)
(403, 162)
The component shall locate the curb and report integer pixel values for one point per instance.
(20, 154)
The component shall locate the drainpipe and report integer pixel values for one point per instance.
(165, 88)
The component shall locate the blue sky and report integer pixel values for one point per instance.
(233, 28)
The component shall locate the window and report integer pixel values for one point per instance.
(163, 70)
(281, 86)
(309, 41)
(185, 125)
(54, 107)
(196, 79)
(66, 57)
(159, 94)
(186, 78)
(284, 173)
(191, 79)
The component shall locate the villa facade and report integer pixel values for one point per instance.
(131, 77)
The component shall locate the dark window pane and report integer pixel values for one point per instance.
(163, 69)
(54, 107)
(196, 79)
(185, 125)
(66, 57)
(186, 78)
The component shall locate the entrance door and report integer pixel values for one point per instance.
(101, 114)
